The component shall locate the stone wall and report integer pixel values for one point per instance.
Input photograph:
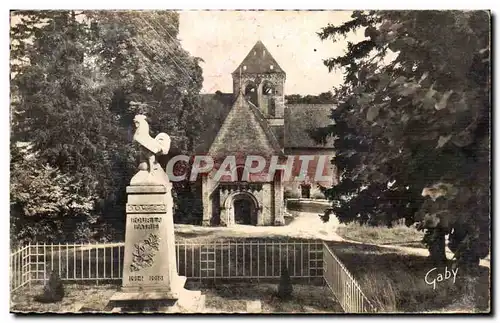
(292, 188)
(262, 192)
(276, 79)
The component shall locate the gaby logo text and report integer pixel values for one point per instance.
(433, 276)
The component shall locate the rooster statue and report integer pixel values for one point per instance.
(151, 147)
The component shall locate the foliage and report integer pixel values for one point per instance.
(188, 204)
(149, 72)
(46, 205)
(53, 290)
(397, 235)
(323, 98)
(413, 113)
(285, 287)
(77, 80)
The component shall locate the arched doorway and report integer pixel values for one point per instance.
(242, 211)
(305, 191)
(243, 208)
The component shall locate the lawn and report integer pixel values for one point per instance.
(397, 235)
(220, 298)
(395, 281)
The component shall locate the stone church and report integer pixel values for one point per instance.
(256, 120)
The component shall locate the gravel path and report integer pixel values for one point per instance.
(305, 225)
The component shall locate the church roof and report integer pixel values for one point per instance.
(302, 119)
(259, 61)
(244, 132)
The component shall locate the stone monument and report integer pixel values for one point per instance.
(151, 282)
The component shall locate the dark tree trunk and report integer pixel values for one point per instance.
(437, 249)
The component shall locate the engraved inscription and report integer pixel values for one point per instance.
(156, 278)
(146, 208)
(135, 278)
(144, 252)
(146, 223)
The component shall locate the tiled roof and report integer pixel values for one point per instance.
(302, 119)
(245, 131)
(259, 61)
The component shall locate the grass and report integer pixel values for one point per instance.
(306, 298)
(76, 296)
(399, 234)
(395, 282)
(220, 298)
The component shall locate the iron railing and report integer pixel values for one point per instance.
(343, 285)
(251, 259)
(227, 259)
(19, 268)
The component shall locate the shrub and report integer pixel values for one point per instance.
(285, 287)
(53, 290)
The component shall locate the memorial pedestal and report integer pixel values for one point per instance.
(150, 280)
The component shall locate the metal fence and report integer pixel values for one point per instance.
(243, 259)
(345, 288)
(251, 259)
(19, 268)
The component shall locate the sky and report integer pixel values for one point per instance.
(223, 39)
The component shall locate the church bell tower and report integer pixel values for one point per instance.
(262, 81)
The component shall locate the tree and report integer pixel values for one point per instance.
(60, 109)
(77, 80)
(323, 98)
(149, 72)
(45, 204)
(412, 122)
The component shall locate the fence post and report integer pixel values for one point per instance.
(184, 247)
(29, 265)
(120, 261)
(44, 264)
(258, 260)
(51, 257)
(112, 262)
(177, 255)
(67, 261)
(104, 262)
(272, 265)
(221, 259)
(96, 263)
(192, 260)
(201, 248)
(251, 256)
(59, 262)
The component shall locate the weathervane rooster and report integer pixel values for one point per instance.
(150, 147)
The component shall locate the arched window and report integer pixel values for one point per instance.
(251, 93)
(268, 91)
(268, 88)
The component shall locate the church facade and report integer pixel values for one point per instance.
(255, 120)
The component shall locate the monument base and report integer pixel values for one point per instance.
(176, 300)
